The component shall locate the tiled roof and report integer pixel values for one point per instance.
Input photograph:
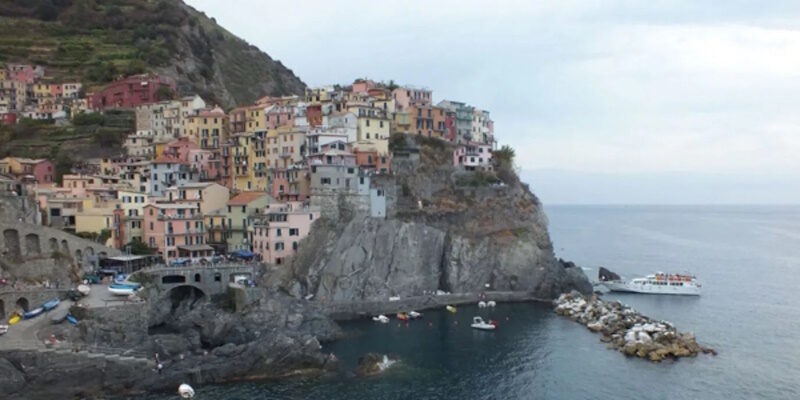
(245, 198)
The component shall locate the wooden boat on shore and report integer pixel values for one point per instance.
(33, 313)
(51, 304)
(59, 316)
(14, 319)
(71, 319)
(3, 329)
(123, 289)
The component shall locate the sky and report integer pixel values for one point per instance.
(605, 102)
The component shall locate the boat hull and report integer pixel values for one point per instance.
(628, 287)
(15, 319)
(121, 291)
(33, 313)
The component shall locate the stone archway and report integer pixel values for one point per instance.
(32, 245)
(78, 255)
(53, 244)
(2, 310)
(22, 304)
(65, 247)
(185, 296)
(11, 241)
(89, 251)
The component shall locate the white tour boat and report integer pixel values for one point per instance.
(658, 283)
(479, 323)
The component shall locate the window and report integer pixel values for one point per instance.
(278, 246)
(310, 217)
(294, 246)
(278, 232)
(151, 226)
(294, 232)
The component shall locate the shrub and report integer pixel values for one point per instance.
(86, 119)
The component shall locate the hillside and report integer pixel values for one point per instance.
(96, 41)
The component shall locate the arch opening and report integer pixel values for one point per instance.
(32, 245)
(2, 310)
(53, 244)
(11, 240)
(65, 247)
(185, 296)
(22, 304)
(172, 279)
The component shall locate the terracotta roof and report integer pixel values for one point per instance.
(245, 198)
(167, 160)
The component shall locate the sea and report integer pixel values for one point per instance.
(747, 258)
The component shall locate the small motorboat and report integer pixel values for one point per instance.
(33, 313)
(402, 316)
(14, 319)
(414, 315)
(491, 304)
(3, 329)
(381, 318)
(451, 309)
(71, 319)
(479, 323)
(481, 304)
(59, 316)
(84, 290)
(185, 391)
(51, 304)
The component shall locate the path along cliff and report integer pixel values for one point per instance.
(445, 229)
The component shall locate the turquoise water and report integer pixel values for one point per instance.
(746, 257)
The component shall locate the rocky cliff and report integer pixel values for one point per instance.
(446, 230)
(95, 41)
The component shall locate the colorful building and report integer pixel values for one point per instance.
(132, 91)
(175, 230)
(277, 232)
(473, 156)
(239, 209)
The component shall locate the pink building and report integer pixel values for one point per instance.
(131, 92)
(363, 85)
(180, 149)
(473, 156)
(40, 170)
(175, 231)
(23, 72)
(278, 231)
(404, 97)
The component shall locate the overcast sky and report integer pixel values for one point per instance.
(604, 101)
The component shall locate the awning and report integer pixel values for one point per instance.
(196, 247)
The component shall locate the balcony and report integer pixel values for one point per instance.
(178, 217)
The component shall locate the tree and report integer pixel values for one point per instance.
(504, 164)
(165, 93)
(64, 165)
(138, 248)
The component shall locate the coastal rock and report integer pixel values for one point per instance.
(373, 364)
(12, 380)
(628, 331)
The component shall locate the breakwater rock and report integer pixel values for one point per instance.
(628, 331)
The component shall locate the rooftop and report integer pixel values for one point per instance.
(245, 198)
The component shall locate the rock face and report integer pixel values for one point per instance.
(275, 336)
(628, 331)
(438, 235)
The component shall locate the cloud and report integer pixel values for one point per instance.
(621, 87)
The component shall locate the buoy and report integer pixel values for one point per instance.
(186, 391)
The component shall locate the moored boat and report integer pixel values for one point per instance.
(658, 283)
(33, 313)
(51, 304)
(59, 316)
(451, 309)
(479, 323)
(402, 316)
(381, 318)
(414, 314)
(185, 391)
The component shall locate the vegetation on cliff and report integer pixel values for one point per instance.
(96, 41)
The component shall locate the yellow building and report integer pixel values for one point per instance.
(242, 163)
(42, 92)
(318, 95)
(255, 120)
(373, 126)
(209, 129)
(94, 220)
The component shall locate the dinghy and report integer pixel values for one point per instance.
(33, 313)
(381, 318)
(14, 319)
(59, 316)
(414, 314)
(451, 309)
(123, 289)
(402, 316)
(71, 319)
(3, 329)
(84, 290)
(481, 304)
(51, 304)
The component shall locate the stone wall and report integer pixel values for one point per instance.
(123, 326)
(12, 300)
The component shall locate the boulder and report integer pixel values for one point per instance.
(12, 380)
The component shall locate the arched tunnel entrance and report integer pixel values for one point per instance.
(2, 310)
(22, 304)
(185, 296)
